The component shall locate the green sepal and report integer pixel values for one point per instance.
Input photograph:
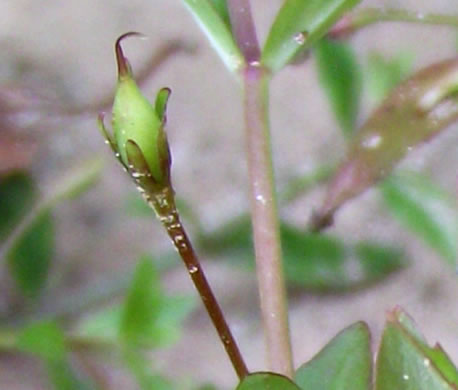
(107, 135)
(160, 105)
(136, 161)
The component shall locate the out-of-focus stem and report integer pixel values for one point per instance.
(164, 205)
(244, 30)
(367, 16)
(266, 230)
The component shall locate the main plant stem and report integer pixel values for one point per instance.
(265, 224)
(266, 232)
(164, 205)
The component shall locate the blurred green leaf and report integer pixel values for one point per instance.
(46, 340)
(63, 377)
(29, 258)
(298, 25)
(17, 193)
(378, 261)
(43, 339)
(417, 110)
(426, 210)
(223, 12)
(340, 76)
(405, 361)
(207, 387)
(266, 381)
(344, 363)
(30, 246)
(311, 261)
(149, 318)
(105, 324)
(102, 325)
(140, 368)
(142, 305)
(210, 16)
(382, 75)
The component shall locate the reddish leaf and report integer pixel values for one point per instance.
(415, 111)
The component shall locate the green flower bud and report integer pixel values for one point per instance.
(138, 125)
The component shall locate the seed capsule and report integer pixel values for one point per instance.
(135, 120)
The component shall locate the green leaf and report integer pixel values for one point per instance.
(311, 261)
(426, 210)
(298, 25)
(207, 387)
(340, 76)
(63, 377)
(266, 381)
(378, 261)
(102, 325)
(405, 361)
(29, 248)
(30, 256)
(223, 12)
(140, 368)
(43, 339)
(149, 318)
(382, 75)
(344, 363)
(417, 110)
(17, 193)
(212, 20)
(46, 340)
(142, 305)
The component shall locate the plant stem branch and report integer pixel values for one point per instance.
(366, 16)
(266, 232)
(164, 205)
(243, 29)
(265, 223)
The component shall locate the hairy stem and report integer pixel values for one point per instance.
(164, 205)
(366, 16)
(265, 223)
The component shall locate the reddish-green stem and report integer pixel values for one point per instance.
(266, 231)
(164, 205)
(265, 223)
(244, 30)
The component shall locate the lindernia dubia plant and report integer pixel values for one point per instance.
(422, 106)
(139, 142)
